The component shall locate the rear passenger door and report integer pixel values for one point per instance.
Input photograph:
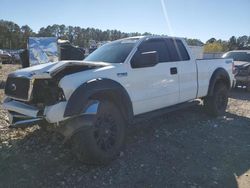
(187, 73)
(157, 86)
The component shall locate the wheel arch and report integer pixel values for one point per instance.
(219, 75)
(101, 88)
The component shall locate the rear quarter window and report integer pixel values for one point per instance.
(177, 50)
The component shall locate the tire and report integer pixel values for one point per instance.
(216, 104)
(101, 143)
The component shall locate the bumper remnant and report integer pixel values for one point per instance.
(21, 108)
(20, 114)
(20, 121)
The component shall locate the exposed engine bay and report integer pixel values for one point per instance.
(40, 87)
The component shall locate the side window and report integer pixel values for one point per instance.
(157, 45)
(177, 50)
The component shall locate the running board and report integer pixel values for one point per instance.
(155, 113)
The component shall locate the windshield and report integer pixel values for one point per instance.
(114, 52)
(238, 56)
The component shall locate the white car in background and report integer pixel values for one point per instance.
(241, 67)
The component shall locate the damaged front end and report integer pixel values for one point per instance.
(33, 94)
(22, 100)
(242, 74)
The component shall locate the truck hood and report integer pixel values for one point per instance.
(49, 70)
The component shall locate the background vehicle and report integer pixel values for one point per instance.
(5, 57)
(92, 101)
(49, 49)
(241, 67)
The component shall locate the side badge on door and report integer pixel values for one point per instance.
(122, 74)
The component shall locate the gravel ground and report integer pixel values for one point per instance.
(186, 148)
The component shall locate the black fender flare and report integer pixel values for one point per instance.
(219, 74)
(84, 92)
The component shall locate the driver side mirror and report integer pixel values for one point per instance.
(145, 59)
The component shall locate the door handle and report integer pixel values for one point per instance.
(173, 70)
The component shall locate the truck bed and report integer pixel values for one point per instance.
(206, 67)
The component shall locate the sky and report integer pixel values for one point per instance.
(202, 19)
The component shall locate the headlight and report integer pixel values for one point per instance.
(47, 92)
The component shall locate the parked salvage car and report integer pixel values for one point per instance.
(6, 58)
(241, 67)
(49, 49)
(91, 102)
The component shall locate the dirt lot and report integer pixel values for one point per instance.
(180, 149)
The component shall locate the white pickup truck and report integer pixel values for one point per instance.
(91, 101)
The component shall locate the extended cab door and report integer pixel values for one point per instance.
(187, 70)
(156, 86)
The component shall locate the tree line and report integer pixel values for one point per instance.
(213, 45)
(239, 43)
(13, 36)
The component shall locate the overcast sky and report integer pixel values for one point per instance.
(200, 19)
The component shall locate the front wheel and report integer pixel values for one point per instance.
(102, 142)
(216, 104)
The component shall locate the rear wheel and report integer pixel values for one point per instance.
(101, 143)
(216, 104)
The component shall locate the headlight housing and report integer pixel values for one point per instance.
(47, 92)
